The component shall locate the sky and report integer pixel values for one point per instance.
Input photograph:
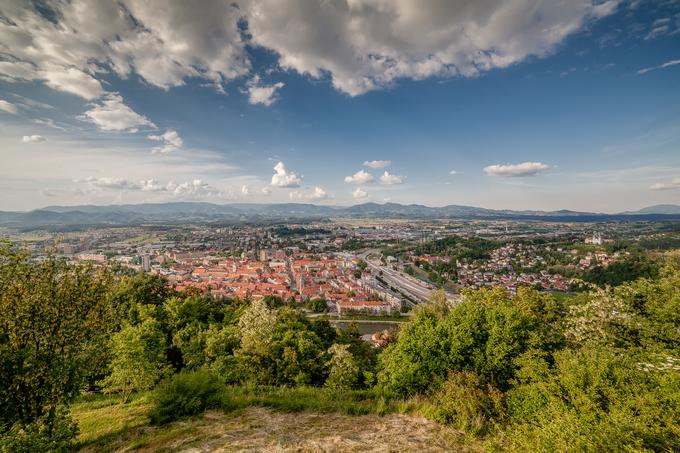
(514, 104)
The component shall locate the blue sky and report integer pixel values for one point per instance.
(518, 105)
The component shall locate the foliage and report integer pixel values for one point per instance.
(54, 319)
(484, 333)
(280, 347)
(344, 372)
(138, 356)
(141, 289)
(618, 272)
(466, 403)
(49, 433)
(317, 305)
(595, 400)
(184, 394)
(220, 345)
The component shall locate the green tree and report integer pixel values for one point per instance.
(54, 319)
(221, 343)
(483, 334)
(344, 372)
(317, 305)
(138, 356)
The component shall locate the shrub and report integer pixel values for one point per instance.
(465, 403)
(184, 394)
(53, 432)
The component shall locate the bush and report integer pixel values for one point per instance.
(50, 433)
(184, 394)
(465, 403)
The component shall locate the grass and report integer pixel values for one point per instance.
(296, 399)
(269, 419)
(104, 417)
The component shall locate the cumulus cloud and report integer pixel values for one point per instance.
(259, 93)
(316, 194)
(285, 178)
(164, 42)
(359, 194)
(364, 45)
(661, 66)
(389, 179)
(33, 139)
(72, 80)
(194, 189)
(112, 114)
(453, 172)
(674, 184)
(248, 191)
(360, 45)
(151, 185)
(8, 107)
(377, 163)
(516, 170)
(170, 141)
(111, 183)
(360, 177)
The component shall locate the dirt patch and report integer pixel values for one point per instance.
(262, 430)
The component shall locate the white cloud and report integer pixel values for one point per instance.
(360, 194)
(661, 66)
(194, 189)
(284, 178)
(389, 179)
(33, 139)
(364, 45)
(151, 185)
(453, 172)
(675, 184)
(8, 107)
(360, 177)
(163, 42)
(49, 122)
(111, 183)
(247, 190)
(361, 45)
(516, 170)
(262, 94)
(316, 194)
(72, 80)
(377, 163)
(112, 114)
(171, 141)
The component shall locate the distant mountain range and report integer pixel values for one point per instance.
(187, 212)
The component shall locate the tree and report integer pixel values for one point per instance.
(344, 372)
(54, 319)
(317, 305)
(141, 289)
(483, 334)
(221, 342)
(138, 361)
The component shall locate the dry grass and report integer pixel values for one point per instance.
(263, 430)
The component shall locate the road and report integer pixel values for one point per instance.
(407, 284)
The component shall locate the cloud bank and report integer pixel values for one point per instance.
(359, 45)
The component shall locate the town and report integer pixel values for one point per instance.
(376, 267)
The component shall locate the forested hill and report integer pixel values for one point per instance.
(172, 213)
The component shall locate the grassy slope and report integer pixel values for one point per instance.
(299, 419)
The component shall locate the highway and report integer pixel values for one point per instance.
(411, 286)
